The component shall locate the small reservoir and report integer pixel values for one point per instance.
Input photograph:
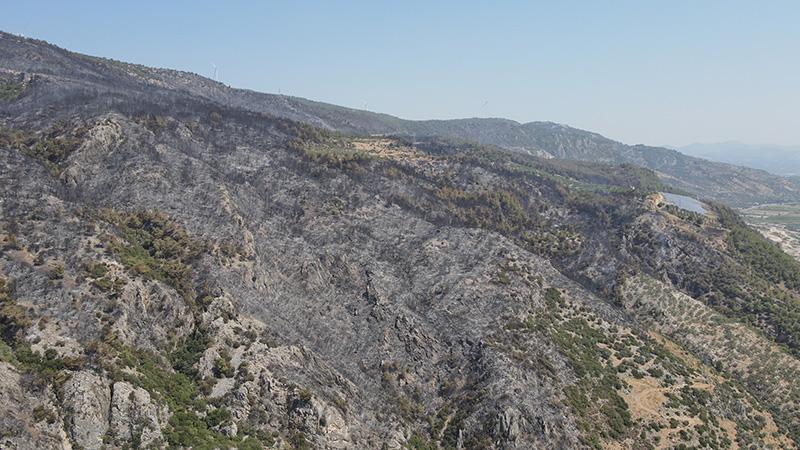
(684, 202)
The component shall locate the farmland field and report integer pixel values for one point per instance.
(780, 223)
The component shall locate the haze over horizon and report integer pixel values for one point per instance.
(678, 74)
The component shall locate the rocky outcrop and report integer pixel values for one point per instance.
(87, 398)
(135, 418)
(28, 421)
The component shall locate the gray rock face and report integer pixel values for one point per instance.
(87, 397)
(28, 422)
(135, 417)
(508, 427)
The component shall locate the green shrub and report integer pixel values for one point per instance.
(56, 272)
(222, 366)
(189, 353)
(51, 147)
(417, 442)
(96, 270)
(218, 417)
(13, 318)
(187, 426)
(41, 414)
(155, 247)
(11, 90)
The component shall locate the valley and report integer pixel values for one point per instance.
(779, 223)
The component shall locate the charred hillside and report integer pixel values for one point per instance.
(88, 77)
(185, 266)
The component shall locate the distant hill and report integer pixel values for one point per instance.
(735, 185)
(778, 159)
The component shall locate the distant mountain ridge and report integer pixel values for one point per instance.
(738, 186)
(779, 159)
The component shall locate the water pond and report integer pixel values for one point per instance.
(684, 202)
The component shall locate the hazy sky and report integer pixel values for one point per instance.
(666, 72)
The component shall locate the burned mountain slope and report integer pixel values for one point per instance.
(177, 272)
